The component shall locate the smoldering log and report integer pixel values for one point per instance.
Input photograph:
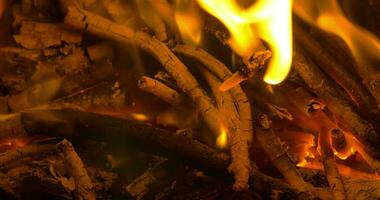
(76, 124)
(341, 106)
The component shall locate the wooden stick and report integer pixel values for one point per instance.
(84, 188)
(223, 73)
(333, 176)
(238, 96)
(351, 83)
(162, 91)
(94, 24)
(327, 91)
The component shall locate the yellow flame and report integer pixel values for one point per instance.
(221, 140)
(327, 15)
(188, 22)
(269, 20)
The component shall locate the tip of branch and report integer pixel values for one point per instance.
(231, 82)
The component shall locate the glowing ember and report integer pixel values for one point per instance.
(344, 170)
(139, 117)
(269, 20)
(328, 16)
(221, 141)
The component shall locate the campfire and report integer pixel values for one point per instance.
(182, 99)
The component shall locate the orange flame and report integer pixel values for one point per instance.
(269, 20)
(188, 21)
(327, 15)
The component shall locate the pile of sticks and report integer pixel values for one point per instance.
(75, 87)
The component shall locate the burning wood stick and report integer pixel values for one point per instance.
(94, 24)
(329, 164)
(240, 163)
(341, 106)
(280, 158)
(238, 97)
(351, 84)
(162, 91)
(84, 188)
(253, 66)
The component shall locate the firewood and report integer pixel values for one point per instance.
(152, 19)
(341, 106)
(239, 98)
(11, 126)
(100, 52)
(29, 150)
(34, 55)
(166, 78)
(340, 140)
(280, 158)
(240, 163)
(162, 91)
(351, 83)
(329, 163)
(17, 181)
(121, 12)
(84, 187)
(141, 186)
(75, 70)
(155, 140)
(4, 108)
(36, 35)
(170, 62)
